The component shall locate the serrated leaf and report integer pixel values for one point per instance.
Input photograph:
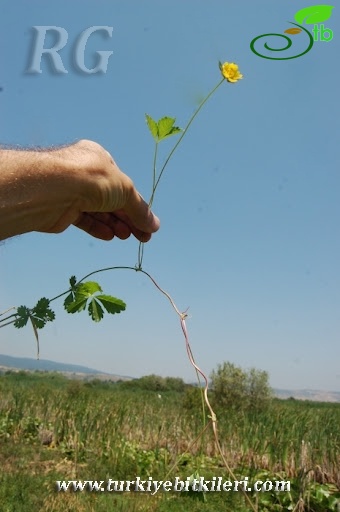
(24, 313)
(314, 14)
(87, 289)
(72, 295)
(41, 305)
(111, 304)
(76, 305)
(175, 130)
(88, 295)
(42, 313)
(164, 126)
(152, 126)
(95, 310)
(69, 299)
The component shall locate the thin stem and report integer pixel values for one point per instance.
(6, 311)
(181, 137)
(140, 254)
(136, 269)
(60, 295)
(154, 167)
(7, 317)
(8, 323)
(154, 173)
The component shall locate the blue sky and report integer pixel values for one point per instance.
(249, 205)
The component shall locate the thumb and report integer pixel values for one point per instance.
(140, 214)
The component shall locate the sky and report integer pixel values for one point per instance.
(249, 204)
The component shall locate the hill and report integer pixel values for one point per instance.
(68, 370)
(308, 394)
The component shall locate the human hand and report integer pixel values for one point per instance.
(111, 206)
(80, 184)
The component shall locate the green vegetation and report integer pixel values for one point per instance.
(235, 388)
(54, 429)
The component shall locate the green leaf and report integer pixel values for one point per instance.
(76, 300)
(72, 295)
(87, 289)
(175, 130)
(163, 128)
(42, 304)
(39, 316)
(69, 299)
(111, 304)
(95, 310)
(23, 313)
(152, 126)
(166, 127)
(41, 313)
(76, 305)
(314, 14)
(88, 294)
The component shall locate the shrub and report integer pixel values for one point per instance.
(234, 388)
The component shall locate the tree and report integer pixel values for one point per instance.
(156, 383)
(235, 388)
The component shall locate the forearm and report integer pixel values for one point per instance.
(31, 182)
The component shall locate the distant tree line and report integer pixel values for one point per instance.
(155, 383)
(232, 388)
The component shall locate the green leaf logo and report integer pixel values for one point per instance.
(314, 14)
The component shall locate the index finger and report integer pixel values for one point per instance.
(141, 235)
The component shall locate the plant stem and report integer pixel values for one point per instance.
(136, 269)
(8, 323)
(181, 137)
(58, 296)
(7, 317)
(9, 309)
(154, 168)
(154, 173)
(156, 182)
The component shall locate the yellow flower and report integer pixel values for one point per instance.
(230, 71)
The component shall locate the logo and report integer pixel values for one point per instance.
(78, 50)
(310, 16)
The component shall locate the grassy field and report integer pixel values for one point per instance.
(55, 429)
